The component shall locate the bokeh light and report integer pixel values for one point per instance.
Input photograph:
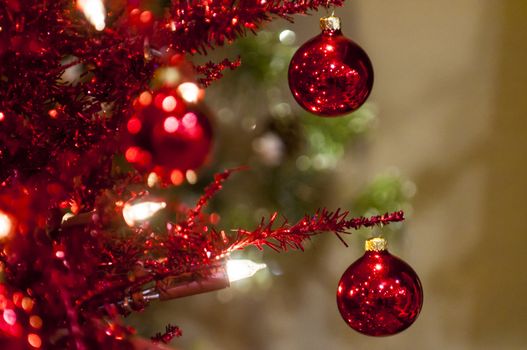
(190, 92)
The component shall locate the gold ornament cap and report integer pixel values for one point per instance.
(331, 23)
(376, 244)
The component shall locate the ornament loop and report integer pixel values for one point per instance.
(375, 244)
(330, 23)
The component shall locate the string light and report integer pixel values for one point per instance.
(152, 179)
(220, 277)
(94, 11)
(242, 269)
(6, 225)
(141, 211)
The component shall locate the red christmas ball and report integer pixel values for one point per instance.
(330, 75)
(379, 294)
(165, 135)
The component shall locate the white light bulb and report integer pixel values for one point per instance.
(241, 269)
(94, 11)
(6, 225)
(141, 211)
(66, 217)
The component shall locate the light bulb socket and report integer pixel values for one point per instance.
(376, 244)
(330, 23)
(182, 286)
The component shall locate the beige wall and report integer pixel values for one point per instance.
(451, 88)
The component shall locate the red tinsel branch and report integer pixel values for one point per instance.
(213, 71)
(170, 333)
(209, 192)
(291, 236)
(196, 25)
(194, 244)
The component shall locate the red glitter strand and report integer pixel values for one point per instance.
(170, 333)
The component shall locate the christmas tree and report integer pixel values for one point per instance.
(104, 129)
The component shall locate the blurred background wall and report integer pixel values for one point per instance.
(451, 86)
(450, 90)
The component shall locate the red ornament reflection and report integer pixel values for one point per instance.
(379, 294)
(164, 135)
(330, 75)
